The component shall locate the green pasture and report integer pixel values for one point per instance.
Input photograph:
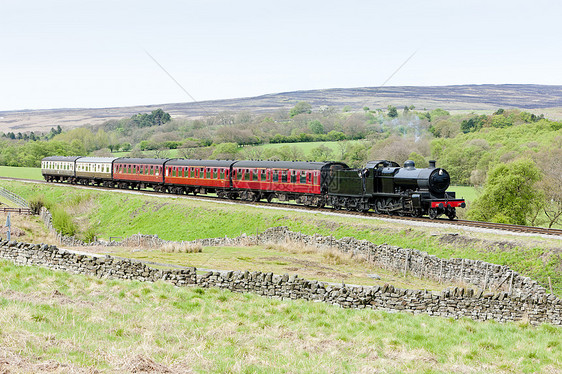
(21, 172)
(52, 319)
(468, 193)
(307, 147)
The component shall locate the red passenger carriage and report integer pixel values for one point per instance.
(197, 176)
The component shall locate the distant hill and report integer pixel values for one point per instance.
(451, 98)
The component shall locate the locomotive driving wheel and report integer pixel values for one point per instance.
(417, 213)
(379, 206)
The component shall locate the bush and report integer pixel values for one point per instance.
(62, 222)
(36, 203)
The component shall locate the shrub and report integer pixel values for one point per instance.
(62, 221)
(36, 203)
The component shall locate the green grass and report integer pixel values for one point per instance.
(117, 214)
(17, 172)
(468, 193)
(115, 326)
(306, 147)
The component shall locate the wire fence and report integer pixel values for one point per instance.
(16, 199)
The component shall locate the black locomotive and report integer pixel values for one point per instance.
(382, 186)
(385, 187)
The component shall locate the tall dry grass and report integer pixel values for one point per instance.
(182, 247)
(330, 254)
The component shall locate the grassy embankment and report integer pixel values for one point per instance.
(70, 323)
(108, 214)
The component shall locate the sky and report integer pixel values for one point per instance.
(91, 54)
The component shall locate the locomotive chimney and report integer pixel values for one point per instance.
(432, 164)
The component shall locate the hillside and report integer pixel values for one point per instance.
(451, 98)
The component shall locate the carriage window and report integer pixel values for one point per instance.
(284, 177)
(275, 176)
(215, 173)
(293, 177)
(255, 175)
(316, 179)
(222, 174)
(303, 178)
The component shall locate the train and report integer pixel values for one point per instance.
(382, 186)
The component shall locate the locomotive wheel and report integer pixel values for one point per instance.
(389, 204)
(451, 213)
(433, 213)
(378, 206)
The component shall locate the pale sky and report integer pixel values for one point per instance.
(85, 53)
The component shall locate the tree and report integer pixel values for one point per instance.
(125, 147)
(321, 153)
(159, 117)
(225, 151)
(316, 127)
(343, 146)
(156, 118)
(472, 124)
(550, 162)
(301, 107)
(510, 194)
(445, 128)
(392, 111)
(357, 155)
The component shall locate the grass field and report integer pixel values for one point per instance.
(465, 192)
(172, 218)
(58, 322)
(306, 147)
(325, 265)
(17, 172)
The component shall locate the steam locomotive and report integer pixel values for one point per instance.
(381, 186)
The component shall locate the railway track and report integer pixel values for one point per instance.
(465, 223)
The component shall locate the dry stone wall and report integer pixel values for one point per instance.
(479, 274)
(100, 266)
(453, 302)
